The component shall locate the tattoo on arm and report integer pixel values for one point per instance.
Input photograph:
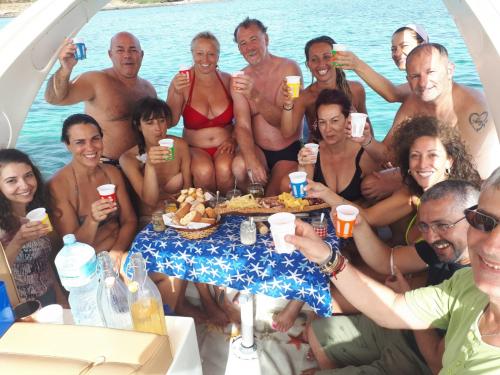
(478, 120)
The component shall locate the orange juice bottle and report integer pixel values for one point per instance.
(144, 299)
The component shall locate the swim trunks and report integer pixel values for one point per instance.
(288, 153)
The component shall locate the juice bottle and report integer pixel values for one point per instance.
(144, 299)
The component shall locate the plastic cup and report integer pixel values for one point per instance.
(185, 70)
(81, 50)
(298, 183)
(24, 312)
(293, 82)
(358, 121)
(238, 73)
(51, 314)
(40, 214)
(346, 215)
(282, 223)
(168, 143)
(314, 147)
(335, 48)
(107, 191)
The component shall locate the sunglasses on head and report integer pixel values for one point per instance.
(479, 220)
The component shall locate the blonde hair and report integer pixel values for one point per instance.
(206, 35)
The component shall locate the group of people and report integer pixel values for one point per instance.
(422, 180)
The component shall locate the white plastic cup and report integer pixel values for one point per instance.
(107, 191)
(168, 143)
(185, 70)
(298, 182)
(282, 223)
(39, 214)
(81, 50)
(51, 314)
(358, 121)
(335, 49)
(346, 215)
(314, 147)
(293, 82)
(238, 73)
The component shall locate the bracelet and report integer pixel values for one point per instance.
(329, 258)
(342, 263)
(367, 143)
(288, 108)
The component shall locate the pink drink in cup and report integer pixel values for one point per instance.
(358, 121)
(40, 214)
(346, 215)
(314, 147)
(185, 70)
(107, 191)
(282, 223)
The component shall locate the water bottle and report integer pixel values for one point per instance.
(6, 313)
(144, 299)
(112, 295)
(76, 265)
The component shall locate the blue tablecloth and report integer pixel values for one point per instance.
(221, 259)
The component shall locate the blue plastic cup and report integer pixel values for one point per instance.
(298, 183)
(6, 313)
(81, 51)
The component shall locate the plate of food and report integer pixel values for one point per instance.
(285, 202)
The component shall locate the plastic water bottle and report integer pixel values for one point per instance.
(144, 299)
(76, 265)
(112, 295)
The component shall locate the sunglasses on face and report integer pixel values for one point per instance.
(479, 220)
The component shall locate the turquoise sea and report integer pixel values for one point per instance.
(165, 32)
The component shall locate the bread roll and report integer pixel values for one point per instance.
(208, 220)
(200, 207)
(181, 198)
(190, 216)
(210, 212)
(181, 212)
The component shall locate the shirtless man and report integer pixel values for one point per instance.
(258, 102)
(430, 76)
(109, 95)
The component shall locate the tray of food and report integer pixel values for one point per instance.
(285, 202)
(193, 218)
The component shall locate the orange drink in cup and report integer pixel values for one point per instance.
(346, 215)
(40, 214)
(293, 82)
(107, 191)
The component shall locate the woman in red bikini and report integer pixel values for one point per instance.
(202, 98)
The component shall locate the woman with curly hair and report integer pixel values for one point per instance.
(27, 245)
(427, 152)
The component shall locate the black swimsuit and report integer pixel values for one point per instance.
(353, 191)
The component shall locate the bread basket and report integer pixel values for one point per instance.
(193, 233)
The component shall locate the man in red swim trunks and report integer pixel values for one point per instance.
(257, 106)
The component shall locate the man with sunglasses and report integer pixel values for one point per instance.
(467, 305)
(442, 251)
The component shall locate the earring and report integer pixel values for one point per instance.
(447, 171)
(409, 172)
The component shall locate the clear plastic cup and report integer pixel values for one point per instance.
(282, 223)
(40, 214)
(168, 143)
(346, 215)
(293, 82)
(107, 191)
(358, 121)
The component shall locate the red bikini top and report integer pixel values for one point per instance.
(194, 120)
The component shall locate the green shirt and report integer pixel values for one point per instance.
(456, 306)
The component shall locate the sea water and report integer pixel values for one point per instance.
(165, 33)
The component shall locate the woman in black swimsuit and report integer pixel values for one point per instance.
(77, 206)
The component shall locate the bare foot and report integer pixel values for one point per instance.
(215, 314)
(285, 319)
(185, 308)
(310, 355)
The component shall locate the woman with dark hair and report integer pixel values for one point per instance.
(341, 164)
(77, 208)
(151, 173)
(27, 245)
(203, 99)
(318, 53)
(404, 40)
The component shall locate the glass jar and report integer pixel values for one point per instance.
(320, 226)
(256, 189)
(233, 193)
(157, 220)
(248, 232)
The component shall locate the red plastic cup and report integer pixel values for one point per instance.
(107, 191)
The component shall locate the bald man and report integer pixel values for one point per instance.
(109, 95)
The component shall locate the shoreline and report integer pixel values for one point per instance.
(12, 10)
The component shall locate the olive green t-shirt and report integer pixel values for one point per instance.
(456, 306)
